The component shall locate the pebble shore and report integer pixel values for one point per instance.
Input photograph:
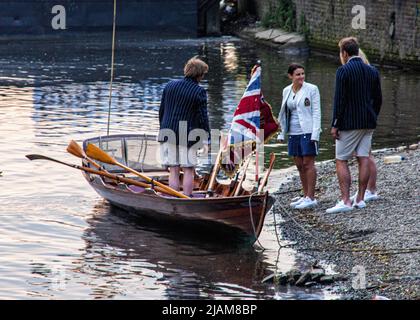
(376, 248)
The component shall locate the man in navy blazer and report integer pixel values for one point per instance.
(183, 122)
(357, 103)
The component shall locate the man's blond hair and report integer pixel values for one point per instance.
(350, 45)
(195, 68)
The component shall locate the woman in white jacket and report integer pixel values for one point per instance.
(300, 120)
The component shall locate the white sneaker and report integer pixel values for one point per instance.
(359, 205)
(339, 207)
(293, 204)
(307, 203)
(369, 196)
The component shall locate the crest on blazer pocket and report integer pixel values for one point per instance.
(307, 102)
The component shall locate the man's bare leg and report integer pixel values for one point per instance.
(188, 180)
(373, 172)
(344, 180)
(363, 177)
(174, 178)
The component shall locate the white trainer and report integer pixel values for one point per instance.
(293, 204)
(339, 207)
(307, 203)
(359, 205)
(369, 196)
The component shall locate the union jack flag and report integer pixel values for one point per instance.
(251, 116)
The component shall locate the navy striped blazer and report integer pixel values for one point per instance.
(358, 96)
(183, 100)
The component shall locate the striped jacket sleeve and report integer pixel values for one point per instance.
(377, 102)
(202, 108)
(339, 98)
(162, 106)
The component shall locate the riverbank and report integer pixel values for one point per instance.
(382, 239)
(274, 38)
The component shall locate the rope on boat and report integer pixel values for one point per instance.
(112, 65)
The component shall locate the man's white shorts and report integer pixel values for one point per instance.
(172, 155)
(350, 141)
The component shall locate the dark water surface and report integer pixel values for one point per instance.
(60, 240)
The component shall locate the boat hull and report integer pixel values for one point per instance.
(243, 216)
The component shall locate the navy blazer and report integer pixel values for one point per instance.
(358, 96)
(183, 100)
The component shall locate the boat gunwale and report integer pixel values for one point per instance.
(174, 199)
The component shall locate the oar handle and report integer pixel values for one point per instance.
(239, 186)
(119, 178)
(100, 173)
(270, 167)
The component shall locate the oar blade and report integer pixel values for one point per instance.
(96, 153)
(35, 157)
(75, 149)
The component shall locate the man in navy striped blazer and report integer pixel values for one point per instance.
(357, 102)
(184, 124)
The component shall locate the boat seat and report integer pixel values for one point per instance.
(157, 175)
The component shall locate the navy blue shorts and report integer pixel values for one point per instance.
(302, 146)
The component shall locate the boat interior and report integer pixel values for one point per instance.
(141, 152)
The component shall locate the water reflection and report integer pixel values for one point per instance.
(171, 263)
(70, 87)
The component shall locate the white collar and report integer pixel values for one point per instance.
(354, 58)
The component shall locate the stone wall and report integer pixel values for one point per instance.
(392, 31)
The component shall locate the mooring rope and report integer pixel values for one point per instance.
(112, 66)
(252, 219)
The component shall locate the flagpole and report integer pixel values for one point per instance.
(256, 142)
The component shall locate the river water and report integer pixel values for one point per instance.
(60, 240)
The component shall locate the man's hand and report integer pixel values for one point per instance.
(335, 133)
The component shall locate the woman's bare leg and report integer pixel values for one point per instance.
(309, 171)
(299, 165)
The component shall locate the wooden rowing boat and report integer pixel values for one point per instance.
(240, 216)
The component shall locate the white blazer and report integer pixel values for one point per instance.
(308, 110)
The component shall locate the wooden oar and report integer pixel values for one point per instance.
(267, 173)
(93, 171)
(216, 167)
(96, 153)
(239, 186)
(75, 149)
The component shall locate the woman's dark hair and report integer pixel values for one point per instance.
(293, 67)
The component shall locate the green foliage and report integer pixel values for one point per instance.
(281, 14)
(303, 27)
